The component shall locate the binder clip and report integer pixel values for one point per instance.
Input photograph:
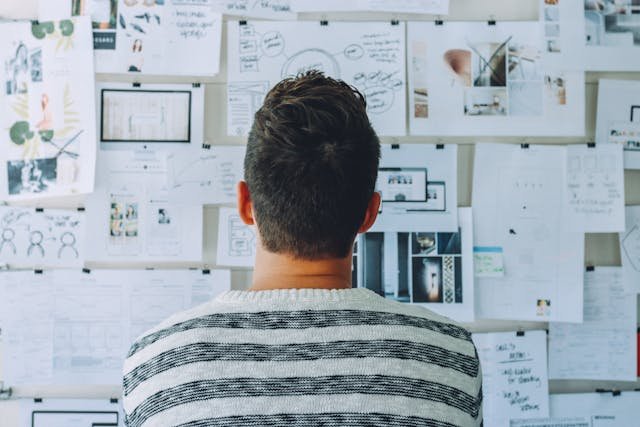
(324, 23)
(492, 20)
(242, 22)
(395, 22)
(5, 393)
(195, 85)
(591, 144)
(439, 21)
(136, 84)
(520, 333)
(395, 146)
(591, 268)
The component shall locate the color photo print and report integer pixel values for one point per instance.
(423, 268)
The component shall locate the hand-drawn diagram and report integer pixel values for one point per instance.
(236, 241)
(369, 56)
(205, 175)
(41, 238)
(49, 147)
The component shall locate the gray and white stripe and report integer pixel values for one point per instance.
(312, 361)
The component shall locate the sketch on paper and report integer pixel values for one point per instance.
(49, 146)
(430, 268)
(417, 183)
(154, 36)
(272, 9)
(47, 238)
(205, 175)
(474, 78)
(160, 114)
(368, 55)
(236, 241)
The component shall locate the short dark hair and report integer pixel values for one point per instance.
(311, 166)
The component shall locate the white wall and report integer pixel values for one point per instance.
(601, 250)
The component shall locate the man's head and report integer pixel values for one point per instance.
(311, 168)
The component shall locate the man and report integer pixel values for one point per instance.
(301, 348)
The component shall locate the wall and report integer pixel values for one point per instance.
(601, 249)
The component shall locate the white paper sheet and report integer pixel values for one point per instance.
(516, 195)
(604, 346)
(563, 33)
(514, 376)
(552, 422)
(630, 250)
(471, 78)
(602, 409)
(236, 241)
(368, 55)
(618, 119)
(435, 7)
(150, 116)
(47, 117)
(27, 9)
(272, 9)
(34, 238)
(131, 216)
(432, 269)
(71, 413)
(69, 327)
(206, 175)
(155, 37)
(419, 188)
(594, 199)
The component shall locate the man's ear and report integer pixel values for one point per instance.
(371, 214)
(245, 207)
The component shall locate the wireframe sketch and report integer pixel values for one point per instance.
(145, 116)
(368, 55)
(49, 147)
(242, 239)
(612, 22)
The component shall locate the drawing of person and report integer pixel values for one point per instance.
(137, 59)
(47, 115)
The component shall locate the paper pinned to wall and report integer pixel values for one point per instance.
(594, 199)
(618, 118)
(272, 9)
(470, 78)
(206, 175)
(555, 422)
(236, 241)
(47, 147)
(514, 376)
(435, 7)
(432, 269)
(31, 238)
(71, 412)
(150, 116)
(418, 185)
(603, 347)
(69, 327)
(132, 216)
(368, 55)
(154, 37)
(514, 191)
(603, 409)
(630, 250)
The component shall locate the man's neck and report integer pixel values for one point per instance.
(278, 271)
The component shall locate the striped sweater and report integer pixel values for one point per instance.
(305, 357)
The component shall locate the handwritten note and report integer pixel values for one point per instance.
(594, 194)
(514, 370)
(264, 9)
(603, 347)
(488, 261)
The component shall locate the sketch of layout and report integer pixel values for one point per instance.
(39, 238)
(236, 241)
(370, 56)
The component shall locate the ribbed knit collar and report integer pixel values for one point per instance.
(298, 295)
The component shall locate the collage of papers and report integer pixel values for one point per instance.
(116, 211)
